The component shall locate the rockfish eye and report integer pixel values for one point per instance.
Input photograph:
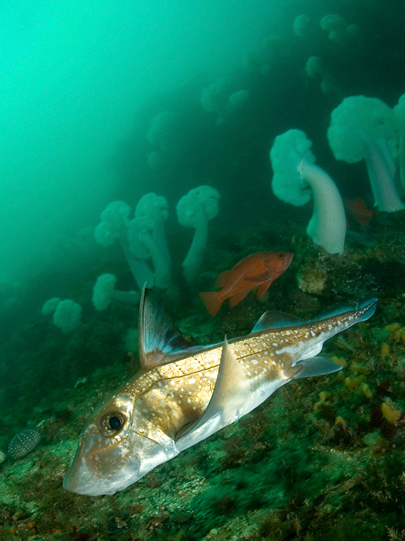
(112, 423)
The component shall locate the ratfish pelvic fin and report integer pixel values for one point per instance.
(315, 366)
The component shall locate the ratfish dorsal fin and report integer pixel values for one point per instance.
(316, 366)
(276, 320)
(230, 392)
(159, 340)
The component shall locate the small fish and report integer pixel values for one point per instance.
(256, 270)
(183, 394)
(358, 211)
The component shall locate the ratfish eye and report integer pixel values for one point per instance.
(112, 423)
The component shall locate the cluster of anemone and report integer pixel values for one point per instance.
(361, 128)
(66, 314)
(339, 31)
(219, 99)
(334, 34)
(164, 136)
(144, 243)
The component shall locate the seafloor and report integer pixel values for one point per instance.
(317, 461)
(323, 458)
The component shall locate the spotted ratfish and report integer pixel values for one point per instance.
(184, 394)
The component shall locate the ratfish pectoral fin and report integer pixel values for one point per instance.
(316, 366)
(159, 340)
(232, 389)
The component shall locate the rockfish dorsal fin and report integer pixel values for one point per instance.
(230, 393)
(159, 340)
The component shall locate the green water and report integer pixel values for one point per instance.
(105, 102)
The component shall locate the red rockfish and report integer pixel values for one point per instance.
(358, 211)
(256, 270)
